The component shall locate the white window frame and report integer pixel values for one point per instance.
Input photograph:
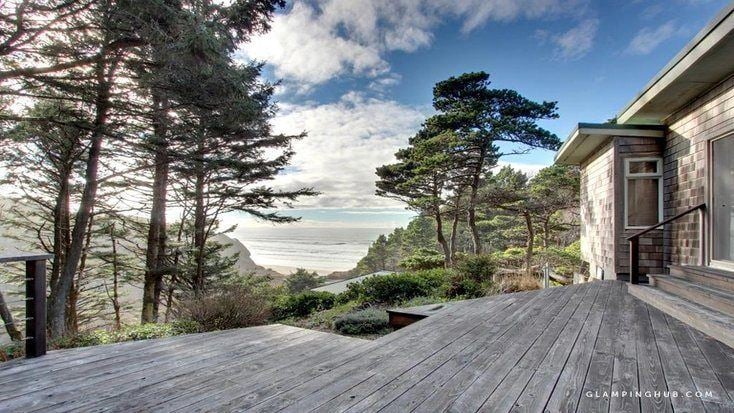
(644, 175)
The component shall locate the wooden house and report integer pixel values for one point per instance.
(657, 185)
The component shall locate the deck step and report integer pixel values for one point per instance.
(716, 324)
(706, 276)
(714, 298)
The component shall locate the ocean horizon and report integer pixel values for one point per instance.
(323, 250)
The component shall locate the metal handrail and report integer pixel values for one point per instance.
(634, 240)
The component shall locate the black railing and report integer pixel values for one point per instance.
(634, 240)
(35, 301)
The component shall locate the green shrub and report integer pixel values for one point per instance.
(11, 351)
(234, 307)
(478, 268)
(423, 259)
(394, 288)
(368, 321)
(302, 304)
(301, 280)
(463, 287)
(419, 301)
(152, 330)
(352, 293)
(511, 258)
(324, 320)
(434, 278)
(563, 261)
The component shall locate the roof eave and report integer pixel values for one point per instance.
(587, 137)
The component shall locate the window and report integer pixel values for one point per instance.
(643, 192)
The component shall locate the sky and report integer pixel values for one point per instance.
(357, 76)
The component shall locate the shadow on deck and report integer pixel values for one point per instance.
(584, 348)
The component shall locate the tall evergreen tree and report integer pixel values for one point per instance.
(480, 118)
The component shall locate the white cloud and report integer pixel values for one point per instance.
(315, 42)
(346, 141)
(302, 49)
(647, 39)
(577, 41)
(384, 83)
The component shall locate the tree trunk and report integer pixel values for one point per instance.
(62, 223)
(115, 279)
(156, 244)
(7, 317)
(529, 244)
(546, 233)
(72, 316)
(471, 208)
(58, 297)
(199, 231)
(174, 275)
(455, 227)
(442, 240)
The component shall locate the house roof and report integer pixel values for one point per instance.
(704, 61)
(587, 137)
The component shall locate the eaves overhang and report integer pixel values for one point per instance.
(588, 137)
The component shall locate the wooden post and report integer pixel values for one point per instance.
(634, 260)
(35, 290)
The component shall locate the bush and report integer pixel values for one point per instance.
(423, 259)
(234, 307)
(464, 287)
(419, 301)
(517, 283)
(395, 288)
(302, 304)
(11, 351)
(478, 268)
(152, 330)
(301, 280)
(324, 320)
(369, 321)
(391, 289)
(564, 261)
(511, 258)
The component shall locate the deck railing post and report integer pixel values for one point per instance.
(35, 289)
(634, 260)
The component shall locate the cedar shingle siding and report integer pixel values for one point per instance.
(685, 153)
(709, 117)
(597, 212)
(603, 235)
(651, 245)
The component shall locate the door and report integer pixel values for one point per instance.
(722, 202)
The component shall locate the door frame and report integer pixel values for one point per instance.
(724, 265)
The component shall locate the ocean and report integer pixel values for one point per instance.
(323, 250)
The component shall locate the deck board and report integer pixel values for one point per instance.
(528, 352)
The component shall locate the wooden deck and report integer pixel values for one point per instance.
(559, 350)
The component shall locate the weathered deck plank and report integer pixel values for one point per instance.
(535, 351)
(557, 337)
(465, 388)
(568, 358)
(649, 366)
(674, 367)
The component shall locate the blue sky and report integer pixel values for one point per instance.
(357, 76)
